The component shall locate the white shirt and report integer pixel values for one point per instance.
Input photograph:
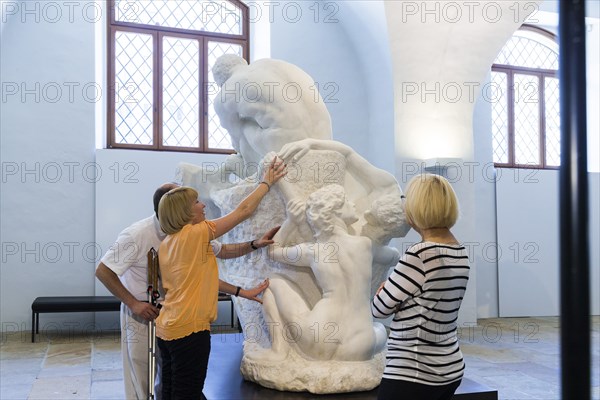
(128, 256)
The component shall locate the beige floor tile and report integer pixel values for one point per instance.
(61, 388)
(108, 390)
(10, 391)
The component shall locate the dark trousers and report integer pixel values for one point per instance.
(184, 365)
(392, 389)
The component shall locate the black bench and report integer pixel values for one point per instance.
(65, 304)
(85, 304)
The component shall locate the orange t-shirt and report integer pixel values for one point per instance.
(190, 278)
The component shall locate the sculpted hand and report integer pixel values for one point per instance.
(297, 210)
(252, 294)
(267, 238)
(145, 310)
(296, 150)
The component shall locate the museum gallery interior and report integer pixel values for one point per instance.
(363, 101)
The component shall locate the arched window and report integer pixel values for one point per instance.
(160, 56)
(525, 110)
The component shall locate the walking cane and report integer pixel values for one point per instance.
(153, 295)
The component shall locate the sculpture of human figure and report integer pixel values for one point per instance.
(364, 182)
(385, 220)
(254, 107)
(262, 122)
(339, 326)
(368, 186)
(267, 104)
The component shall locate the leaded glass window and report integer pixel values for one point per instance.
(160, 57)
(525, 102)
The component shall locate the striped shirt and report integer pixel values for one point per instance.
(424, 292)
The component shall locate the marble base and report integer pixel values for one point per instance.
(225, 382)
(297, 374)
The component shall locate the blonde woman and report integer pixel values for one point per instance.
(424, 292)
(191, 281)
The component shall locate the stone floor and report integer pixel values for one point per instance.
(517, 356)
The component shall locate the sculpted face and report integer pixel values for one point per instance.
(267, 104)
(386, 218)
(349, 214)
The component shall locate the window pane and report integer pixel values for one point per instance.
(552, 122)
(181, 98)
(133, 88)
(522, 50)
(218, 138)
(199, 15)
(498, 96)
(527, 119)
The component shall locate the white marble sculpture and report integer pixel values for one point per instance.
(315, 332)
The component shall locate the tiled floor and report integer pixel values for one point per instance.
(517, 356)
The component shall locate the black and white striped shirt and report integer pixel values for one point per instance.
(424, 292)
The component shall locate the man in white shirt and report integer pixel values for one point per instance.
(123, 270)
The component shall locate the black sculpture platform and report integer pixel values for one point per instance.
(225, 382)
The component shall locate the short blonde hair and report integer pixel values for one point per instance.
(175, 209)
(431, 202)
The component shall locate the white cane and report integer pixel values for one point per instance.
(153, 296)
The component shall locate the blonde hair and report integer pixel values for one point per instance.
(431, 202)
(175, 209)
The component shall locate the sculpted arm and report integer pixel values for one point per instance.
(366, 173)
(295, 224)
(300, 255)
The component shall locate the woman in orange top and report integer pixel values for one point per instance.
(191, 281)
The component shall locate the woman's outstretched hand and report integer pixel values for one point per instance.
(275, 170)
(252, 294)
(267, 238)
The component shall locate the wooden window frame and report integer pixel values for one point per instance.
(541, 74)
(158, 32)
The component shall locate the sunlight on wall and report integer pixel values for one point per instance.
(260, 30)
(593, 92)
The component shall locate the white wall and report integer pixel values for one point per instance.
(483, 177)
(310, 35)
(593, 91)
(366, 27)
(48, 169)
(529, 242)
